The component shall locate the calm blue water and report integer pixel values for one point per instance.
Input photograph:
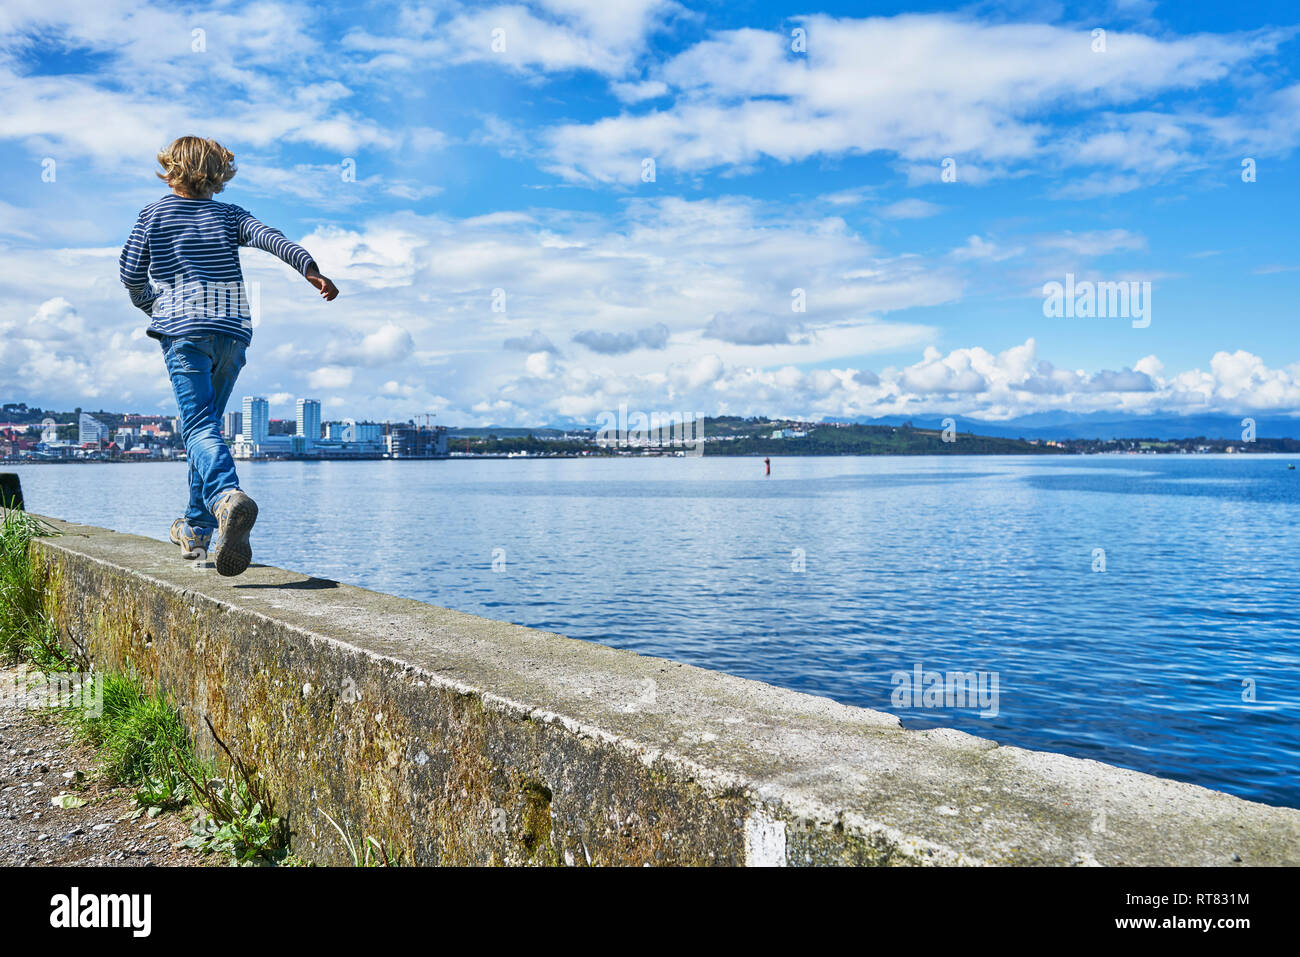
(963, 564)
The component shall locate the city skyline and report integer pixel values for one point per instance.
(247, 430)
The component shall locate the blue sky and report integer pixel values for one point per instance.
(521, 169)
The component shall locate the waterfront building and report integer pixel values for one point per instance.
(232, 425)
(363, 432)
(415, 442)
(91, 430)
(309, 421)
(256, 420)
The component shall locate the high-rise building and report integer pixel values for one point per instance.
(90, 429)
(232, 425)
(309, 421)
(257, 418)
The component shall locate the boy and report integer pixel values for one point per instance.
(181, 266)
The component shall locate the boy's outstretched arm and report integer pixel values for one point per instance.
(260, 236)
(133, 267)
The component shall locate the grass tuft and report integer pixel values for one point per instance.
(27, 633)
(140, 739)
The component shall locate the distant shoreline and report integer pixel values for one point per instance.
(668, 455)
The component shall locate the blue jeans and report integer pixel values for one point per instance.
(203, 369)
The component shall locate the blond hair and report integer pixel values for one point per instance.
(199, 166)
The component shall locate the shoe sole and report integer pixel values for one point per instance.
(233, 553)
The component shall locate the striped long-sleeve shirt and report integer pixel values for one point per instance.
(181, 265)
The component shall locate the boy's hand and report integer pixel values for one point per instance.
(328, 291)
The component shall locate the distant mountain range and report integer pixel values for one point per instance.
(1108, 425)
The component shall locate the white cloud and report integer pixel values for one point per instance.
(605, 36)
(636, 92)
(984, 94)
(979, 248)
(910, 209)
(388, 344)
(540, 365)
(618, 343)
(157, 80)
(330, 377)
(1095, 243)
(533, 342)
(53, 351)
(954, 372)
(750, 329)
(56, 319)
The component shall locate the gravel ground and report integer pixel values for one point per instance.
(39, 761)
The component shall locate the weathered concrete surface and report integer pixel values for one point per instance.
(463, 740)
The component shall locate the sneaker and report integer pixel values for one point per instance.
(193, 541)
(235, 513)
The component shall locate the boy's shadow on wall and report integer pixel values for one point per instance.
(306, 584)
